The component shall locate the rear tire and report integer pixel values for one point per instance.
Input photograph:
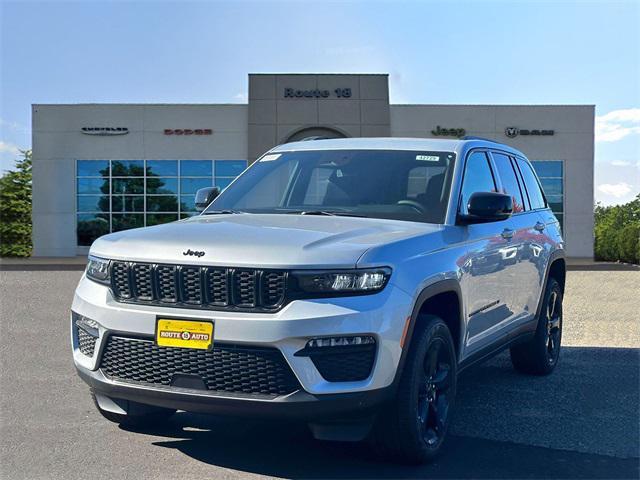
(412, 429)
(539, 356)
(145, 415)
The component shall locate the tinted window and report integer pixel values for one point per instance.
(477, 178)
(509, 180)
(401, 185)
(531, 183)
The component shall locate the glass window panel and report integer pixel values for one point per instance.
(548, 168)
(560, 218)
(162, 168)
(477, 178)
(126, 221)
(127, 168)
(509, 180)
(158, 218)
(92, 203)
(90, 227)
(551, 186)
(127, 203)
(223, 183)
(163, 203)
(127, 186)
(93, 168)
(93, 185)
(162, 186)
(555, 203)
(230, 168)
(192, 185)
(187, 214)
(195, 168)
(531, 184)
(317, 188)
(187, 203)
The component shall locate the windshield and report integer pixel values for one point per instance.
(401, 185)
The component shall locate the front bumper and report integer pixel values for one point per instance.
(299, 405)
(382, 316)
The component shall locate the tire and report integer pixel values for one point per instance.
(540, 355)
(145, 416)
(412, 429)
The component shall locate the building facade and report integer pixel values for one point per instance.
(99, 168)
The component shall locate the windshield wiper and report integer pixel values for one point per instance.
(324, 212)
(222, 212)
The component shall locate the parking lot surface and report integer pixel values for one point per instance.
(580, 422)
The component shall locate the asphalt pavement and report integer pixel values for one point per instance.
(583, 421)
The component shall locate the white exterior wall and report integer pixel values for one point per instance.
(58, 143)
(572, 142)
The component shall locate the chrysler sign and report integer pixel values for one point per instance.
(104, 131)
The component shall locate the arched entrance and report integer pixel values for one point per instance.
(309, 132)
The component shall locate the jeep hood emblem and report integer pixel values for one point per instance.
(193, 253)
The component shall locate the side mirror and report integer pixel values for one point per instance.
(486, 207)
(205, 196)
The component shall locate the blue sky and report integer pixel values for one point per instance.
(435, 52)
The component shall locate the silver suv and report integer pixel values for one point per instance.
(342, 282)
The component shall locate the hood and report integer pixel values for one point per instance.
(252, 240)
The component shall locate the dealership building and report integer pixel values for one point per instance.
(100, 168)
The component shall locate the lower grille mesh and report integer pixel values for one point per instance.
(226, 368)
(86, 342)
(345, 366)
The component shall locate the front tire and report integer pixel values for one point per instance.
(144, 416)
(539, 356)
(413, 428)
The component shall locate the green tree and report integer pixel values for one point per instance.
(617, 232)
(15, 209)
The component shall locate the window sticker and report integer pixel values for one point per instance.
(428, 158)
(271, 157)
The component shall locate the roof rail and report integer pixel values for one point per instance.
(314, 137)
(473, 137)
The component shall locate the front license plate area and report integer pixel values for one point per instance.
(171, 332)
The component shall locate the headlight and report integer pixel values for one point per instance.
(98, 269)
(343, 281)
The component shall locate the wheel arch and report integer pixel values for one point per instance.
(444, 299)
(556, 268)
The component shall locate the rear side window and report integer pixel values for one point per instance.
(509, 180)
(477, 178)
(531, 183)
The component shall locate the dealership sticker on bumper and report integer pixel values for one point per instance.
(184, 334)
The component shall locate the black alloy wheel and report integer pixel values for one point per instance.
(412, 428)
(540, 354)
(433, 393)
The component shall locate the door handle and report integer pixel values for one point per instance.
(539, 226)
(507, 234)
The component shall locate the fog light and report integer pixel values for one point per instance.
(340, 341)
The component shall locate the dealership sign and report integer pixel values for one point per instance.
(104, 131)
(188, 131)
(317, 93)
(513, 132)
(448, 132)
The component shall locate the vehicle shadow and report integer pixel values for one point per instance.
(580, 422)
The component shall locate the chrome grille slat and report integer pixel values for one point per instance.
(216, 288)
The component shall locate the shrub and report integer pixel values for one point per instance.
(617, 232)
(15, 209)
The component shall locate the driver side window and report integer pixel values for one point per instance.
(477, 178)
